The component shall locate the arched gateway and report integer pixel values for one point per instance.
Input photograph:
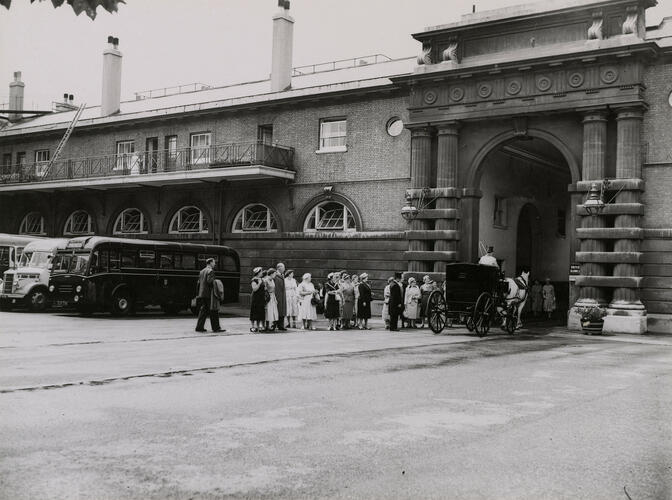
(513, 116)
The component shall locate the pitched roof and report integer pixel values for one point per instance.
(353, 78)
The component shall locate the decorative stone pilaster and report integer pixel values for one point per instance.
(626, 311)
(446, 177)
(593, 169)
(421, 171)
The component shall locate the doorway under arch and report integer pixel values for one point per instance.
(524, 211)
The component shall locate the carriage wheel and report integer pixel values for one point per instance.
(510, 321)
(470, 323)
(483, 313)
(436, 311)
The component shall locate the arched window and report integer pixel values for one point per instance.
(255, 218)
(330, 216)
(188, 220)
(79, 222)
(32, 223)
(131, 221)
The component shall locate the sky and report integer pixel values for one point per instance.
(215, 42)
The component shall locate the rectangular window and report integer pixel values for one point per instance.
(114, 260)
(499, 213)
(171, 153)
(561, 224)
(166, 261)
(185, 261)
(265, 134)
(21, 158)
(99, 262)
(333, 133)
(147, 259)
(41, 161)
(7, 163)
(128, 258)
(125, 155)
(200, 148)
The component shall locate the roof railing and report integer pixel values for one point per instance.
(166, 91)
(340, 64)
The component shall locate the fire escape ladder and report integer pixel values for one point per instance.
(65, 138)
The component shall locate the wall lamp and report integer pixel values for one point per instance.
(410, 211)
(595, 203)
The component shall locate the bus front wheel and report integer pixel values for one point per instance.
(37, 300)
(122, 303)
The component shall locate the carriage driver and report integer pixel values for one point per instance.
(489, 258)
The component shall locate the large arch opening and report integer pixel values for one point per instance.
(525, 210)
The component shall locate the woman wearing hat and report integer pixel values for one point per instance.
(348, 295)
(332, 309)
(292, 298)
(364, 302)
(426, 289)
(272, 301)
(306, 292)
(257, 301)
(411, 302)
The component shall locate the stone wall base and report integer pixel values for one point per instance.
(636, 324)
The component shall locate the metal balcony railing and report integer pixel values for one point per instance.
(152, 162)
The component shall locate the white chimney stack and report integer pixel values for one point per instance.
(111, 78)
(283, 40)
(16, 96)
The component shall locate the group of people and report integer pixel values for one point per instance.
(279, 302)
(407, 304)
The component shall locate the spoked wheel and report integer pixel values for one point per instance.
(510, 320)
(483, 313)
(436, 311)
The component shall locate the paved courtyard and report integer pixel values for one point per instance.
(144, 408)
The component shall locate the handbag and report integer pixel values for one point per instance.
(314, 300)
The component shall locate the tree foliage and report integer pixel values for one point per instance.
(79, 6)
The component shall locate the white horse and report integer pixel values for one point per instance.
(517, 293)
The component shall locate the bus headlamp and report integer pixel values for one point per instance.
(76, 299)
(52, 288)
(78, 289)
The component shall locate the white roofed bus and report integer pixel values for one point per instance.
(118, 275)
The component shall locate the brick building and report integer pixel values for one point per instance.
(495, 134)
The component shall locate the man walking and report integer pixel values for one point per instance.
(204, 301)
(280, 296)
(396, 303)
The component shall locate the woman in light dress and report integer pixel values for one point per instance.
(548, 292)
(306, 291)
(272, 304)
(412, 302)
(426, 289)
(292, 298)
(386, 303)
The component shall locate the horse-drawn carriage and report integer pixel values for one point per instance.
(477, 296)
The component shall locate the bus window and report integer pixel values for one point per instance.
(188, 261)
(61, 263)
(147, 259)
(4, 257)
(227, 263)
(114, 260)
(128, 258)
(99, 262)
(166, 261)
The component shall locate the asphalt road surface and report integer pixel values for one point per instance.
(144, 408)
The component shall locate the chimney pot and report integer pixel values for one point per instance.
(65, 97)
(116, 42)
(17, 76)
(71, 98)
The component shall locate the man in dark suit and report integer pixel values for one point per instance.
(396, 304)
(280, 296)
(206, 279)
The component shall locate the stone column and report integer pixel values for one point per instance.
(421, 170)
(626, 311)
(593, 169)
(446, 177)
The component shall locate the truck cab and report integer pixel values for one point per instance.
(28, 284)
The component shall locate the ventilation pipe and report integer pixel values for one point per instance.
(111, 97)
(16, 89)
(283, 40)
